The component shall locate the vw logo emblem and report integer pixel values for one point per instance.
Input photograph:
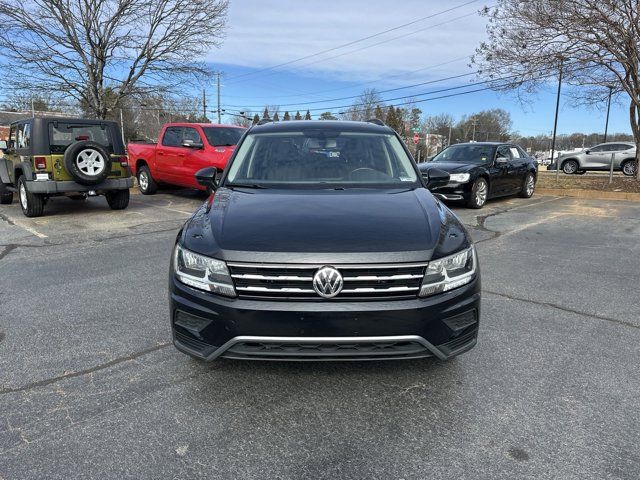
(327, 282)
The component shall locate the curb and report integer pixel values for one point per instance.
(595, 194)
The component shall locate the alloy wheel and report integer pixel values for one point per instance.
(481, 192)
(90, 162)
(23, 197)
(530, 185)
(143, 180)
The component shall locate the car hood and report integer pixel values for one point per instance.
(451, 167)
(323, 225)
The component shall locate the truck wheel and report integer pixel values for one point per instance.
(146, 183)
(32, 204)
(6, 197)
(118, 199)
(87, 162)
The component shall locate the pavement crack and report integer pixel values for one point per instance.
(564, 309)
(88, 371)
(7, 219)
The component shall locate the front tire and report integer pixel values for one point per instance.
(146, 183)
(479, 193)
(118, 199)
(32, 204)
(570, 167)
(528, 186)
(630, 167)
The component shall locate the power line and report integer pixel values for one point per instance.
(353, 42)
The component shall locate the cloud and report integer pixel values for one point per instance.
(262, 34)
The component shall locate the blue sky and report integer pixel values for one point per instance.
(263, 34)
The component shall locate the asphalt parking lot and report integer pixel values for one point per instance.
(90, 385)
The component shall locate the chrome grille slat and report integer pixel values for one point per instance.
(295, 281)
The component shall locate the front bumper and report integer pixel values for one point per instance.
(51, 187)
(453, 191)
(207, 326)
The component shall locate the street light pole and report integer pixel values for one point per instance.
(555, 123)
(218, 76)
(606, 125)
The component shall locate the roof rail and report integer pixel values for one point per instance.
(376, 121)
(262, 121)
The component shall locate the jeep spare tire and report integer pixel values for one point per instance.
(88, 163)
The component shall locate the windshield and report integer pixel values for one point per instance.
(466, 154)
(222, 136)
(322, 159)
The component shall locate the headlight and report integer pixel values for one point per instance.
(202, 272)
(459, 177)
(449, 272)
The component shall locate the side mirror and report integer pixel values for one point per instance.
(3, 145)
(502, 161)
(208, 177)
(192, 144)
(587, 151)
(435, 177)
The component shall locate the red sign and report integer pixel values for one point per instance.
(416, 138)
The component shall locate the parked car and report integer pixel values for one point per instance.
(479, 171)
(182, 150)
(307, 256)
(53, 156)
(599, 158)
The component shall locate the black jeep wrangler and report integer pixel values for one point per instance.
(54, 156)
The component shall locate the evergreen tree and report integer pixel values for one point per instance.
(298, 116)
(265, 115)
(307, 116)
(379, 113)
(256, 119)
(393, 121)
(276, 117)
(286, 116)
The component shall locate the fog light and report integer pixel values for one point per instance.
(462, 321)
(195, 325)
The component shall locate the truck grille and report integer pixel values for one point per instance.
(295, 281)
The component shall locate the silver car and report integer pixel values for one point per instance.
(599, 158)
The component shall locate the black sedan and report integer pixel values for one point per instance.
(479, 171)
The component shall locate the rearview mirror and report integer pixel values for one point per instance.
(3, 145)
(502, 161)
(435, 178)
(208, 177)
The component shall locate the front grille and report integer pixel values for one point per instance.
(295, 281)
(324, 351)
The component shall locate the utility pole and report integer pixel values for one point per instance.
(475, 122)
(606, 125)
(33, 109)
(204, 105)
(218, 78)
(555, 122)
(449, 142)
(122, 126)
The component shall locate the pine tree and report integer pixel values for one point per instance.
(276, 117)
(265, 115)
(298, 116)
(379, 113)
(286, 116)
(392, 119)
(256, 119)
(307, 116)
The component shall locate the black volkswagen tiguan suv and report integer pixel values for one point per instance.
(322, 242)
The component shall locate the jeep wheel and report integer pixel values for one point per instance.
(146, 183)
(32, 204)
(118, 199)
(6, 197)
(88, 163)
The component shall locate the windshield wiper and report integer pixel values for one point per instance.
(245, 185)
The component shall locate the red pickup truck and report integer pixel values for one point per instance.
(182, 150)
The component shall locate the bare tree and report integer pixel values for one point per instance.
(102, 51)
(364, 107)
(595, 42)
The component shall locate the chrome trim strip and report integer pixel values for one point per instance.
(251, 288)
(373, 278)
(284, 278)
(381, 290)
(345, 266)
(398, 338)
(279, 290)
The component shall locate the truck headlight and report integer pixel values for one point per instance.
(459, 177)
(449, 272)
(203, 273)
